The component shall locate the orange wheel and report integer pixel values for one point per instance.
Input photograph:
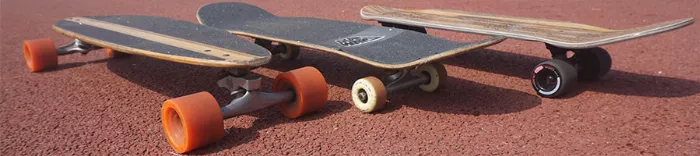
(192, 121)
(310, 88)
(40, 54)
(115, 54)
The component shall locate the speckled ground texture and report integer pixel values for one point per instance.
(647, 105)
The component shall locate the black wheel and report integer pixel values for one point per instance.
(592, 64)
(286, 51)
(553, 78)
(406, 27)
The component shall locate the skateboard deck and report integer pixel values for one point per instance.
(166, 39)
(195, 120)
(378, 46)
(557, 33)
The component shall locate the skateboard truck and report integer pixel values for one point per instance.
(555, 77)
(251, 99)
(283, 50)
(196, 120)
(557, 53)
(76, 46)
(398, 81)
(42, 54)
(404, 79)
(255, 100)
(370, 94)
(240, 79)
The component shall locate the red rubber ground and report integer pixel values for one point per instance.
(648, 104)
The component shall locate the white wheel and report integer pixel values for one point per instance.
(437, 74)
(290, 52)
(369, 94)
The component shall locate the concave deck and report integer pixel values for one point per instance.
(558, 33)
(167, 39)
(378, 46)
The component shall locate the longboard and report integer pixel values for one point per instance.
(194, 120)
(375, 45)
(558, 33)
(551, 78)
(411, 55)
(164, 38)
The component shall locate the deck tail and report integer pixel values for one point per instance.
(652, 29)
(616, 36)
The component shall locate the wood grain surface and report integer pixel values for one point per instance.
(558, 33)
(166, 39)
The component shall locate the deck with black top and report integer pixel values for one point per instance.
(167, 39)
(379, 46)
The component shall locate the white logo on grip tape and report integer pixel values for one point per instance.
(357, 40)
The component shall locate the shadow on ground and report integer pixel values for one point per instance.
(175, 80)
(62, 66)
(237, 136)
(466, 97)
(615, 82)
(459, 97)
